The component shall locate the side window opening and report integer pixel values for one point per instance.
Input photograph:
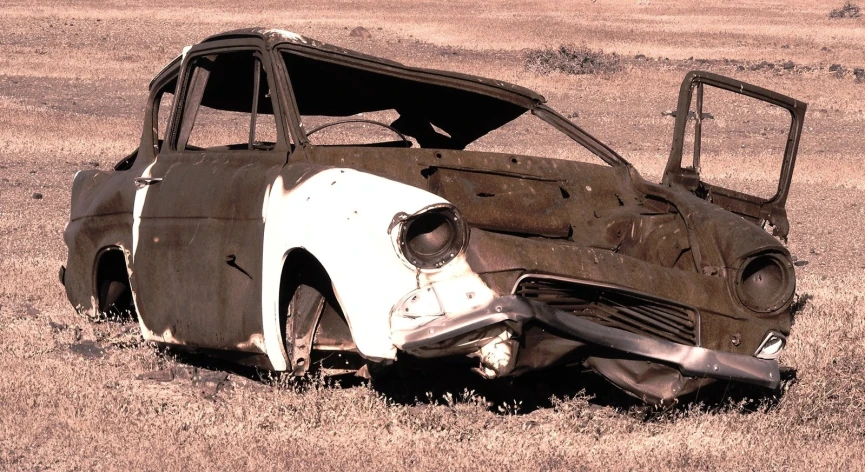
(735, 141)
(161, 114)
(228, 105)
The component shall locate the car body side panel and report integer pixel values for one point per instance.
(100, 217)
(198, 251)
(355, 244)
(102, 206)
(86, 237)
(197, 232)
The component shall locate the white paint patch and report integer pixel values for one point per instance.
(137, 209)
(287, 35)
(341, 216)
(457, 290)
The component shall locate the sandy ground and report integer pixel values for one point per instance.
(83, 395)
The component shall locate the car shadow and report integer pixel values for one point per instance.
(546, 388)
(421, 382)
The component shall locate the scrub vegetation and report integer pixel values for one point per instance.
(848, 10)
(570, 59)
(77, 394)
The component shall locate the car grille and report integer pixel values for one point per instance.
(616, 308)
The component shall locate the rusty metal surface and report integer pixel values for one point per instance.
(691, 361)
(649, 270)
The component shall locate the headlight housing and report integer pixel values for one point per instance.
(765, 282)
(434, 236)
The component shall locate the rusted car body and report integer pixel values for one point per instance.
(268, 250)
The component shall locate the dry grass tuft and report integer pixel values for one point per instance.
(848, 10)
(570, 59)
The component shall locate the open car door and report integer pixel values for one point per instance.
(741, 136)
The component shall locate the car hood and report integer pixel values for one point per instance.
(602, 207)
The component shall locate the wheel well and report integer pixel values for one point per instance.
(299, 267)
(111, 267)
(325, 320)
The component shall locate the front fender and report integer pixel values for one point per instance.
(344, 218)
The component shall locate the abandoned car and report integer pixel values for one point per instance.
(290, 197)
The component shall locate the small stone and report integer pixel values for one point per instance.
(57, 327)
(94, 163)
(209, 384)
(640, 57)
(360, 32)
(87, 350)
(162, 375)
(834, 67)
(859, 73)
(37, 196)
(789, 65)
(184, 372)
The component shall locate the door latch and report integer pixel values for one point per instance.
(141, 182)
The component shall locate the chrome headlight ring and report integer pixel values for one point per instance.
(433, 236)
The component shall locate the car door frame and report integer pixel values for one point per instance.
(753, 208)
(155, 327)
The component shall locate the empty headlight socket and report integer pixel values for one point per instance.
(433, 236)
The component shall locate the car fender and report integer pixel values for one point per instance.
(344, 218)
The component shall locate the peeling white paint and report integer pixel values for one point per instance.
(137, 208)
(455, 290)
(342, 216)
(287, 35)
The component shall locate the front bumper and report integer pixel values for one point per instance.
(690, 361)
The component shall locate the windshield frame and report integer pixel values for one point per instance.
(516, 95)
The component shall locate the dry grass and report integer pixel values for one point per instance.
(848, 10)
(81, 395)
(570, 59)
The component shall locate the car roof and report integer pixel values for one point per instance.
(274, 37)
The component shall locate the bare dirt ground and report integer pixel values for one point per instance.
(81, 395)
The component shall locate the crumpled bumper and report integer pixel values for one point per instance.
(690, 361)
